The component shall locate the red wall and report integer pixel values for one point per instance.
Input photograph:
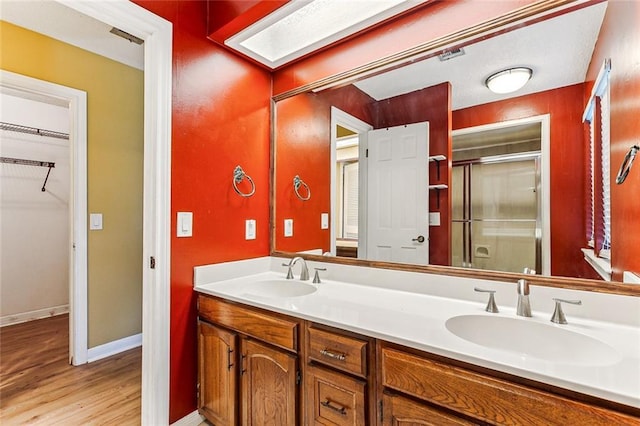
(220, 119)
(432, 104)
(304, 148)
(619, 40)
(565, 107)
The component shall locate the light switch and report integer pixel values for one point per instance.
(95, 221)
(185, 224)
(324, 220)
(250, 229)
(434, 219)
(288, 227)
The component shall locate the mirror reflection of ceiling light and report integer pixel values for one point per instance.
(302, 26)
(508, 80)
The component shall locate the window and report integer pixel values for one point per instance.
(598, 219)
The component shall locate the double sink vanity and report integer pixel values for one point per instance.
(377, 346)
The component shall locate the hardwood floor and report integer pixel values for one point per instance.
(39, 387)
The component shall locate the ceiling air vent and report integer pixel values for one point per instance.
(450, 54)
(127, 36)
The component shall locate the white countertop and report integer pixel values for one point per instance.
(417, 320)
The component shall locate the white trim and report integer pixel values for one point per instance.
(158, 36)
(192, 419)
(629, 277)
(339, 117)
(545, 147)
(115, 347)
(600, 265)
(33, 315)
(77, 103)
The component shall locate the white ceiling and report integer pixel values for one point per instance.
(62, 23)
(558, 51)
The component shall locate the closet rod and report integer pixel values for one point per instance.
(33, 131)
(22, 162)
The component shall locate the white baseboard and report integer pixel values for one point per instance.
(115, 347)
(192, 419)
(33, 315)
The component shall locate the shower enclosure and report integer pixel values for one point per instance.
(496, 212)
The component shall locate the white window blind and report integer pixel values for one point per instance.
(350, 200)
(606, 172)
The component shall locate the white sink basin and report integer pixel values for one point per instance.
(279, 288)
(532, 339)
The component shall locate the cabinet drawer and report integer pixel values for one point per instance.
(337, 350)
(400, 411)
(487, 398)
(334, 398)
(271, 329)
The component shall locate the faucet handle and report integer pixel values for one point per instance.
(316, 276)
(491, 304)
(289, 271)
(558, 316)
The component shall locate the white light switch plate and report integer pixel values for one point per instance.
(434, 219)
(185, 224)
(250, 229)
(324, 220)
(288, 227)
(95, 221)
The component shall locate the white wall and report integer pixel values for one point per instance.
(34, 225)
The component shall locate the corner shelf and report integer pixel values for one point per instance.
(438, 187)
(437, 159)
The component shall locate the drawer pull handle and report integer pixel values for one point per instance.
(329, 354)
(340, 410)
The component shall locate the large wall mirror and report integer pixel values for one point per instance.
(420, 166)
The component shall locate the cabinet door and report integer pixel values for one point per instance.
(217, 374)
(399, 411)
(268, 384)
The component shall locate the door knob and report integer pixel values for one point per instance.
(420, 239)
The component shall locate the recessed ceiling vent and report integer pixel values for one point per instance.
(450, 54)
(127, 36)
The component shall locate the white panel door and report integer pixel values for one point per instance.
(398, 194)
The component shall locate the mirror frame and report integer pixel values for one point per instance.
(499, 24)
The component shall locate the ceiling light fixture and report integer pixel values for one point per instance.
(508, 80)
(302, 26)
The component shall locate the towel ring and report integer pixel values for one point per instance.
(297, 183)
(625, 167)
(238, 176)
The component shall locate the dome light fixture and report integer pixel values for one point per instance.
(509, 80)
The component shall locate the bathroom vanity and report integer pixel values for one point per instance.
(392, 352)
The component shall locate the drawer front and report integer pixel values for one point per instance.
(486, 398)
(334, 398)
(271, 329)
(339, 351)
(400, 411)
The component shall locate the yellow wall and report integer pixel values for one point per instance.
(115, 165)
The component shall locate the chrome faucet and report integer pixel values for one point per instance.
(523, 308)
(304, 272)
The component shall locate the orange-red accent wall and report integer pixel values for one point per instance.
(220, 119)
(619, 40)
(567, 170)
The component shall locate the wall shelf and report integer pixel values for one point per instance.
(438, 187)
(437, 159)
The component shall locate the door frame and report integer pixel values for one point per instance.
(545, 175)
(339, 117)
(157, 34)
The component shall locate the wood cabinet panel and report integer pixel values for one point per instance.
(401, 411)
(487, 398)
(334, 398)
(268, 383)
(339, 351)
(272, 329)
(217, 374)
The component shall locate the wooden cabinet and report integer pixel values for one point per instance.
(339, 385)
(485, 398)
(217, 374)
(247, 365)
(401, 411)
(268, 383)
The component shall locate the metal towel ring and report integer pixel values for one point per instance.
(625, 167)
(238, 176)
(297, 183)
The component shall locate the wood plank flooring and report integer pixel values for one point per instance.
(39, 387)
